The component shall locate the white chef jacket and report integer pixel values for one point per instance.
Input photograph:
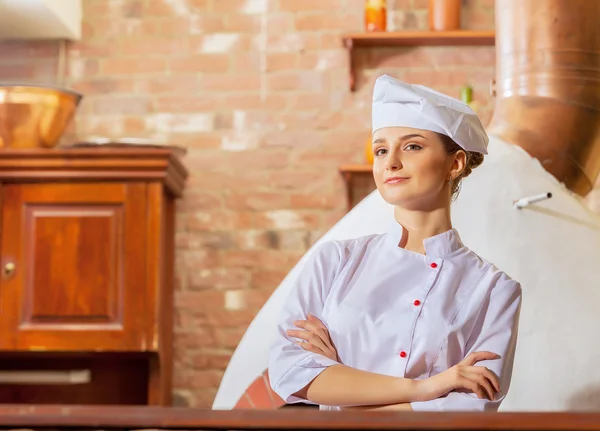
(400, 313)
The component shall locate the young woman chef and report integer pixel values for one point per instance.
(410, 319)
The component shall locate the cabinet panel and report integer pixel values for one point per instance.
(90, 290)
(78, 280)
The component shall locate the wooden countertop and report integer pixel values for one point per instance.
(99, 417)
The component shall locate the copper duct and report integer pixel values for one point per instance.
(548, 85)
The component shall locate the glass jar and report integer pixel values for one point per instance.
(375, 15)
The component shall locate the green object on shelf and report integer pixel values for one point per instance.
(466, 94)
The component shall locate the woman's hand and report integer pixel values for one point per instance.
(464, 375)
(316, 337)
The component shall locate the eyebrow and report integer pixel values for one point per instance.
(401, 138)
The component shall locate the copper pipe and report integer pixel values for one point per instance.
(548, 85)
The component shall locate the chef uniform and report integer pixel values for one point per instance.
(396, 312)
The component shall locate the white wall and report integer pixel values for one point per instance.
(552, 248)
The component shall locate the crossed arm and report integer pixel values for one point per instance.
(356, 389)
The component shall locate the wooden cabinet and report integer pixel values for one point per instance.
(86, 259)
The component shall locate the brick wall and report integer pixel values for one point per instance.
(257, 90)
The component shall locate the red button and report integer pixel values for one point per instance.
(403, 354)
(417, 303)
(434, 265)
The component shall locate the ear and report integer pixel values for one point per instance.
(459, 163)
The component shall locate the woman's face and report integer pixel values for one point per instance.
(411, 168)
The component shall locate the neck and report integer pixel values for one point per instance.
(420, 225)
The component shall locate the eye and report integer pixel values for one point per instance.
(413, 147)
(380, 151)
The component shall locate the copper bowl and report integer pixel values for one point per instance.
(33, 116)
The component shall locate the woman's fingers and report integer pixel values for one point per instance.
(474, 357)
(316, 327)
(310, 337)
(493, 378)
(316, 321)
(472, 386)
(481, 381)
(310, 347)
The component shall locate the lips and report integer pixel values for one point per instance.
(396, 180)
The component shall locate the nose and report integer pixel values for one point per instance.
(393, 164)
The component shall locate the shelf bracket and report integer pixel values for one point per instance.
(349, 44)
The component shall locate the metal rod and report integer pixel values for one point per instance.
(54, 377)
(531, 200)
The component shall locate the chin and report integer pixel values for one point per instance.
(410, 200)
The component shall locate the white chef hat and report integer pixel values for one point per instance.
(396, 103)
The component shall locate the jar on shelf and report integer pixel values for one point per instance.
(444, 15)
(375, 15)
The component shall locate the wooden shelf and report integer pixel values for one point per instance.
(355, 169)
(414, 38)
(349, 172)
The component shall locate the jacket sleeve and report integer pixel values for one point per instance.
(497, 333)
(291, 368)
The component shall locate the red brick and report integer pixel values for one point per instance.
(102, 48)
(186, 26)
(242, 23)
(196, 339)
(311, 5)
(201, 200)
(219, 278)
(244, 6)
(293, 240)
(207, 221)
(282, 61)
(161, 9)
(259, 160)
(318, 21)
(256, 240)
(181, 103)
(213, 240)
(220, 318)
(267, 279)
(268, 259)
(229, 337)
(404, 57)
(13, 71)
(122, 106)
(295, 80)
(245, 61)
(207, 63)
(421, 4)
(133, 66)
(286, 219)
(205, 398)
(198, 301)
(320, 201)
(295, 42)
(198, 259)
(321, 60)
(104, 86)
(182, 84)
(152, 46)
(258, 201)
(475, 56)
(232, 82)
(200, 379)
(210, 360)
(29, 49)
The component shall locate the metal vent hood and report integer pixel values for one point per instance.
(40, 19)
(548, 85)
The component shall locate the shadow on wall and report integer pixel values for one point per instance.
(586, 400)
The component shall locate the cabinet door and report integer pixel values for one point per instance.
(73, 267)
